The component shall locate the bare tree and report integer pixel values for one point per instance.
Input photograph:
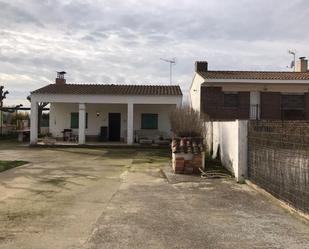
(41, 106)
(2, 97)
(186, 122)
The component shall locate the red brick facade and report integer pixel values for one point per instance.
(307, 105)
(270, 105)
(212, 104)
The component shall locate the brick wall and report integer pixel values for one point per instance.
(270, 105)
(212, 104)
(211, 101)
(244, 105)
(307, 105)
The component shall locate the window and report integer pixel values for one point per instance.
(231, 99)
(293, 101)
(149, 121)
(293, 106)
(75, 120)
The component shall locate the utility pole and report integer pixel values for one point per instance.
(172, 62)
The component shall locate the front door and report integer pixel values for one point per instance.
(114, 125)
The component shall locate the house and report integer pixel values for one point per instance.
(228, 95)
(105, 112)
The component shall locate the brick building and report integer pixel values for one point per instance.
(228, 95)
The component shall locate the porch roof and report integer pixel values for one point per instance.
(110, 89)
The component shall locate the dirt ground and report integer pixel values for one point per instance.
(119, 198)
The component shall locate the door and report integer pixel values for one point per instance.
(114, 125)
(255, 105)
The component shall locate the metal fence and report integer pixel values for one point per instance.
(278, 159)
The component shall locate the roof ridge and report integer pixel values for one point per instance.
(250, 71)
(115, 84)
(110, 89)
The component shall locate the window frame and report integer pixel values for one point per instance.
(153, 115)
(225, 94)
(291, 108)
(77, 125)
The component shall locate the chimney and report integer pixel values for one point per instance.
(302, 65)
(60, 80)
(201, 66)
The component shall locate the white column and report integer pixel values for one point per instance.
(34, 122)
(130, 124)
(241, 167)
(82, 124)
(255, 105)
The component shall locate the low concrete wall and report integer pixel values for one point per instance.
(228, 140)
(8, 129)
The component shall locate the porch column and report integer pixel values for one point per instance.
(81, 124)
(34, 122)
(130, 124)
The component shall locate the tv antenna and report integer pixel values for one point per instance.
(172, 62)
(292, 52)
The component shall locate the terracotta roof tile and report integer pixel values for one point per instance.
(109, 89)
(254, 75)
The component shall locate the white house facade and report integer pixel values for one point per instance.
(119, 111)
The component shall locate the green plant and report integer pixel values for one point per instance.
(5, 165)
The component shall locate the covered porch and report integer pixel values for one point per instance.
(106, 123)
(106, 113)
(98, 123)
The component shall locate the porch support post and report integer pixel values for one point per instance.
(34, 122)
(81, 124)
(130, 124)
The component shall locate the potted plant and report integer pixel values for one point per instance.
(187, 143)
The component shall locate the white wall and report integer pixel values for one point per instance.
(195, 92)
(163, 112)
(107, 99)
(231, 138)
(60, 117)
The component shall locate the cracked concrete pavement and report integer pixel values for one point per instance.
(118, 198)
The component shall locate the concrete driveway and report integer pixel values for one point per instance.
(118, 198)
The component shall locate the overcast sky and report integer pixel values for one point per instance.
(121, 41)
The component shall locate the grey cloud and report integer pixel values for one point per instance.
(11, 14)
(122, 41)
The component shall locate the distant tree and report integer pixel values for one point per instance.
(2, 97)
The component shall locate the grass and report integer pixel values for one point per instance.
(215, 165)
(5, 165)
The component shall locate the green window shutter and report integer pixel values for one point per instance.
(149, 121)
(74, 120)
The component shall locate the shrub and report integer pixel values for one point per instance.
(186, 122)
